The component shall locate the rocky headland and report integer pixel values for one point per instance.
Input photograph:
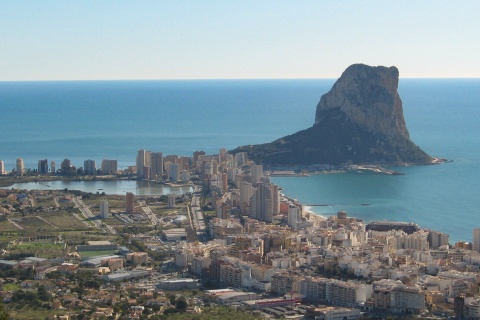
(359, 121)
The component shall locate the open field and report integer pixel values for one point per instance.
(32, 223)
(62, 220)
(28, 312)
(5, 225)
(40, 249)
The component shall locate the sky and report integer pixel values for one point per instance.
(102, 40)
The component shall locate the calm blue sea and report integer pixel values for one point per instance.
(113, 119)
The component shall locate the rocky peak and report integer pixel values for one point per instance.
(368, 97)
(360, 120)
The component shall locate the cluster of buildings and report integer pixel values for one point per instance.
(262, 241)
(89, 167)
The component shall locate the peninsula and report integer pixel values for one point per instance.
(359, 121)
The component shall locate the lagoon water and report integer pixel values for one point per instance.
(141, 188)
(113, 119)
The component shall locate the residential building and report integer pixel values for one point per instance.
(174, 174)
(156, 165)
(43, 166)
(137, 258)
(19, 167)
(257, 173)
(130, 203)
(171, 200)
(294, 215)
(264, 203)
(437, 239)
(476, 239)
(109, 166)
(143, 160)
(53, 169)
(89, 166)
(104, 209)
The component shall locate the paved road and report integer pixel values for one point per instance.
(90, 216)
(146, 209)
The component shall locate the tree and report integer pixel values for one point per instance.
(172, 299)
(42, 293)
(3, 313)
(181, 304)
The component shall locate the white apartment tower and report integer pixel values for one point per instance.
(294, 215)
(246, 191)
(103, 209)
(261, 203)
(256, 171)
(174, 173)
(19, 167)
(2, 167)
(171, 200)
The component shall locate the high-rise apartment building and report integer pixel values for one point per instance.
(224, 182)
(256, 171)
(2, 167)
(171, 200)
(246, 192)
(89, 166)
(53, 169)
(103, 209)
(43, 166)
(185, 176)
(222, 155)
(197, 154)
(265, 202)
(19, 167)
(156, 165)
(65, 165)
(437, 239)
(143, 160)
(294, 215)
(476, 239)
(130, 203)
(174, 172)
(261, 203)
(109, 166)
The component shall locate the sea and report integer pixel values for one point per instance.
(97, 120)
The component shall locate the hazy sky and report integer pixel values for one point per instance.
(55, 40)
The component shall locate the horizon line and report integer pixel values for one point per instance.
(222, 79)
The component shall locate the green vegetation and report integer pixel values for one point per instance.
(88, 254)
(41, 249)
(3, 313)
(11, 287)
(62, 220)
(210, 313)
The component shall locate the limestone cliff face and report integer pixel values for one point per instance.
(360, 120)
(368, 96)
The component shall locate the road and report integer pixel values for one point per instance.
(91, 217)
(196, 215)
(146, 209)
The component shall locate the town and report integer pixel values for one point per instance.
(234, 246)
